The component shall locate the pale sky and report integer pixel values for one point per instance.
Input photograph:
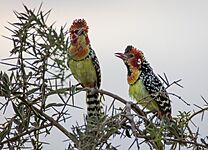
(172, 34)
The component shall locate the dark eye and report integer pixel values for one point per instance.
(76, 31)
(131, 55)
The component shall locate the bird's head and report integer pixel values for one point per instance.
(79, 32)
(133, 59)
(79, 39)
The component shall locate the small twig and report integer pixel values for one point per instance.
(175, 82)
(25, 133)
(179, 97)
(186, 142)
(53, 122)
(198, 112)
(164, 80)
(204, 100)
(130, 117)
(58, 125)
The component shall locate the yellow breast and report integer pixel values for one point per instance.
(138, 92)
(83, 71)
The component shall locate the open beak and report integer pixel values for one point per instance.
(121, 56)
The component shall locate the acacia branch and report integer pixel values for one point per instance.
(53, 122)
(58, 125)
(134, 107)
(187, 142)
(25, 133)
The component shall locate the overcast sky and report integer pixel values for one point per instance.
(172, 34)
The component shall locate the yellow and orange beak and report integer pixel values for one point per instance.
(122, 56)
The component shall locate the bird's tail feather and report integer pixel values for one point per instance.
(94, 108)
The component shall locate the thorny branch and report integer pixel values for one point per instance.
(40, 74)
(185, 138)
(198, 112)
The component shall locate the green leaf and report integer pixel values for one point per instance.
(3, 134)
(32, 91)
(204, 142)
(54, 105)
(6, 131)
(128, 133)
(16, 110)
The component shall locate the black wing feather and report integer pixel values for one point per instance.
(155, 88)
(96, 65)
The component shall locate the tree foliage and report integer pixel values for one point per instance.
(38, 74)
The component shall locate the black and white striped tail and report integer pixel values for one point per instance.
(94, 108)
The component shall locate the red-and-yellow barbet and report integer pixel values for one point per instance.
(144, 86)
(84, 64)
